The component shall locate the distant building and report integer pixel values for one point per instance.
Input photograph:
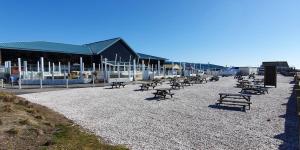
(115, 49)
(248, 70)
(282, 66)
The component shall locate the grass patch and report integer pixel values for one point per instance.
(76, 138)
(37, 127)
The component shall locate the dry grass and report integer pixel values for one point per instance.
(24, 125)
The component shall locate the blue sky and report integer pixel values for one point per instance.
(225, 32)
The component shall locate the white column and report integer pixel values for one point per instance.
(129, 70)
(42, 67)
(59, 67)
(99, 67)
(105, 70)
(114, 69)
(118, 69)
(9, 67)
(143, 66)
(93, 73)
(101, 60)
(183, 69)
(49, 66)
(124, 67)
(105, 65)
(172, 68)
(53, 69)
(38, 66)
(94, 67)
(69, 67)
(25, 69)
(81, 68)
(134, 69)
(158, 68)
(152, 68)
(20, 72)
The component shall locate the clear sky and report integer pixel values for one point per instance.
(224, 32)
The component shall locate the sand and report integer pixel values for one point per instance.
(190, 120)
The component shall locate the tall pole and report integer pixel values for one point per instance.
(129, 70)
(93, 75)
(20, 72)
(81, 67)
(9, 67)
(115, 62)
(105, 70)
(118, 69)
(101, 63)
(59, 67)
(42, 67)
(49, 66)
(134, 69)
(69, 67)
(25, 69)
(158, 68)
(172, 68)
(38, 66)
(53, 69)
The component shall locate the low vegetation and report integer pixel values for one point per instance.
(24, 125)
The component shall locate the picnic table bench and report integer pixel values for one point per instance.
(162, 93)
(258, 81)
(146, 86)
(214, 78)
(235, 99)
(187, 82)
(117, 84)
(175, 85)
(242, 83)
(255, 89)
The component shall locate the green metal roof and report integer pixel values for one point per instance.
(48, 47)
(145, 56)
(100, 46)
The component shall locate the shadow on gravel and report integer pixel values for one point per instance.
(290, 137)
(157, 99)
(231, 108)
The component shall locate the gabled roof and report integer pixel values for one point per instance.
(47, 47)
(100, 46)
(145, 56)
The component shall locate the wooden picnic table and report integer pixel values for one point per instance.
(163, 92)
(235, 99)
(117, 84)
(255, 89)
(187, 82)
(178, 85)
(146, 86)
(258, 81)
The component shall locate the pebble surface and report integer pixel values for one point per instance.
(187, 121)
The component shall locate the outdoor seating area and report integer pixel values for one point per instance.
(248, 88)
(235, 99)
(137, 119)
(117, 84)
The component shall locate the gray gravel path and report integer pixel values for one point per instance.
(188, 121)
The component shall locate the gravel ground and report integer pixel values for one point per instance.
(188, 121)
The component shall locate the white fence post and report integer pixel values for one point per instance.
(81, 67)
(20, 72)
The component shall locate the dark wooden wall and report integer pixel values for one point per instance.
(33, 56)
(119, 48)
